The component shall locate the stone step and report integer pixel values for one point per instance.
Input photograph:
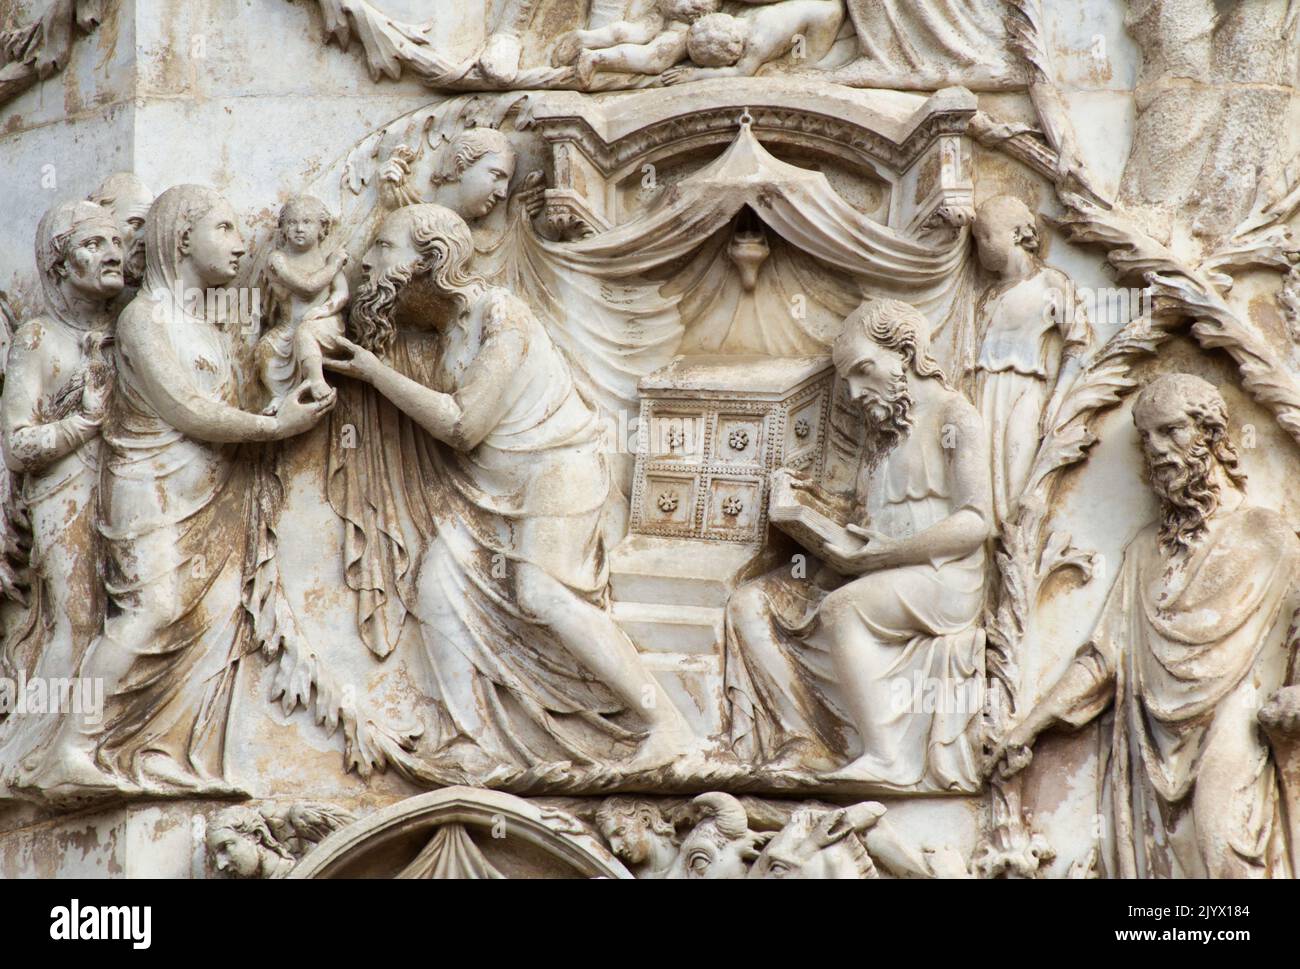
(677, 572)
(691, 630)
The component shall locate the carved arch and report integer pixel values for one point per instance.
(489, 833)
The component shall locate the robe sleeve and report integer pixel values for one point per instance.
(1088, 684)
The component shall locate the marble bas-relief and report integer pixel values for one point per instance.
(306, 294)
(58, 384)
(812, 666)
(691, 439)
(522, 654)
(1192, 643)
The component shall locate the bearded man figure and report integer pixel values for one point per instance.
(823, 669)
(1191, 643)
(493, 480)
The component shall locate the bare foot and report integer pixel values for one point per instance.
(567, 50)
(863, 770)
(585, 68)
(662, 747)
(321, 391)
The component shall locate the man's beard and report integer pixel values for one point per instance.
(1188, 495)
(890, 416)
(375, 306)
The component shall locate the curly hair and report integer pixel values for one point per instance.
(616, 809)
(717, 40)
(315, 208)
(466, 149)
(445, 245)
(893, 325)
(249, 824)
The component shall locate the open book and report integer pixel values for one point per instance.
(806, 518)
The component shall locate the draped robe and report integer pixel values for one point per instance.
(916, 624)
(434, 535)
(182, 525)
(1187, 655)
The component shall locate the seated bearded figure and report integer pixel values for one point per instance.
(815, 665)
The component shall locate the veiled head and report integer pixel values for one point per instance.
(79, 254)
(191, 237)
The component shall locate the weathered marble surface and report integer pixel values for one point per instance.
(724, 450)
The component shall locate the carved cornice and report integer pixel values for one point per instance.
(616, 136)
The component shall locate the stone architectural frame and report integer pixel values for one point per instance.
(362, 848)
(1193, 295)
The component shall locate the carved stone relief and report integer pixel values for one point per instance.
(681, 439)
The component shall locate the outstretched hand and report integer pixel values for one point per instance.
(343, 356)
(299, 411)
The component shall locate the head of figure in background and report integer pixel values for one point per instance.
(717, 40)
(474, 172)
(128, 201)
(1006, 235)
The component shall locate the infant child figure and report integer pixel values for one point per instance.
(307, 293)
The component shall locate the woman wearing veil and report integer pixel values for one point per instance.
(178, 507)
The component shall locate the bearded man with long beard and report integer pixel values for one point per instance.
(820, 669)
(477, 503)
(1191, 644)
